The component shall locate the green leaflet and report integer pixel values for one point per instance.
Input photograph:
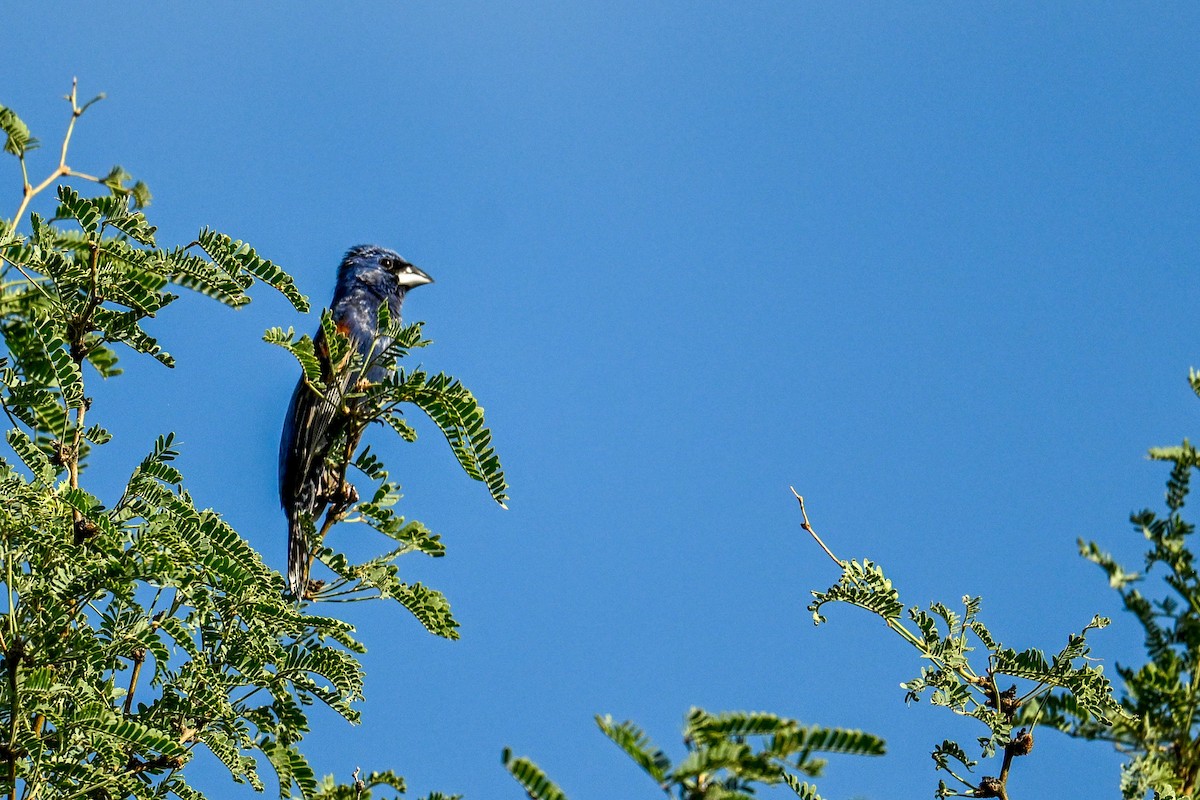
(405, 338)
(863, 585)
(302, 350)
(17, 139)
(124, 327)
(230, 751)
(235, 257)
(798, 740)
(370, 465)
(336, 343)
(292, 768)
(459, 417)
(138, 194)
(337, 666)
(64, 372)
(726, 755)
(31, 457)
(428, 606)
(90, 508)
(200, 275)
(533, 780)
(93, 213)
(157, 463)
(805, 791)
(637, 745)
(97, 435)
(137, 736)
(407, 432)
(707, 728)
(83, 210)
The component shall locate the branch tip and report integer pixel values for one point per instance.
(806, 525)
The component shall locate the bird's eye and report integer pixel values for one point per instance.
(388, 263)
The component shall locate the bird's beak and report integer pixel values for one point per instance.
(412, 276)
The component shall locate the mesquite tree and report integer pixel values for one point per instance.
(1160, 733)
(138, 628)
(964, 669)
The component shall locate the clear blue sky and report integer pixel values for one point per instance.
(933, 264)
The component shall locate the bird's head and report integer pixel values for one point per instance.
(385, 271)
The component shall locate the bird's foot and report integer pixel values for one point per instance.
(341, 501)
(346, 495)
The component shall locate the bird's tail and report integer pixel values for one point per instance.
(298, 554)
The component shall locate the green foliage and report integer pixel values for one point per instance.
(1160, 731)
(336, 371)
(141, 628)
(964, 667)
(729, 756)
(445, 400)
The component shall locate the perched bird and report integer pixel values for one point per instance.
(368, 276)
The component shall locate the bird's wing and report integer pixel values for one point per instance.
(312, 423)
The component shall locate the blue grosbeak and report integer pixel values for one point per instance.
(368, 276)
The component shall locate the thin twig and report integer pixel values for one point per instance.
(28, 191)
(1019, 745)
(139, 657)
(13, 659)
(808, 527)
(62, 170)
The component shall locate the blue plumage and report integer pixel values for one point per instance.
(368, 276)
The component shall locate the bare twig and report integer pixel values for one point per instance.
(62, 170)
(138, 657)
(808, 527)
